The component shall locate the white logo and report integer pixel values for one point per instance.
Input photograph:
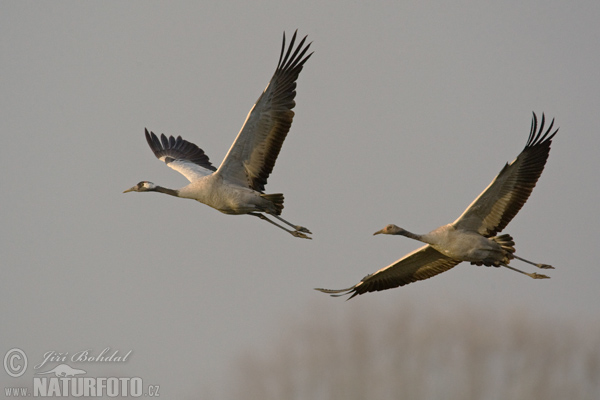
(63, 371)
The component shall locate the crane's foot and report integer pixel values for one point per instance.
(544, 266)
(300, 235)
(538, 276)
(303, 229)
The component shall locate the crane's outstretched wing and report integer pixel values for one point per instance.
(422, 263)
(181, 155)
(252, 156)
(497, 205)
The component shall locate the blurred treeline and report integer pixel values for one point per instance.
(349, 352)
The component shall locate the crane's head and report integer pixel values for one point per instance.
(143, 186)
(391, 229)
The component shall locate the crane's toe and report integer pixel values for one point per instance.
(538, 276)
(544, 266)
(300, 235)
(302, 229)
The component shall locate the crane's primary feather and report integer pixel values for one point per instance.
(251, 158)
(498, 204)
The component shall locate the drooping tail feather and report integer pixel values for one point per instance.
(276, 199)
(508, 245)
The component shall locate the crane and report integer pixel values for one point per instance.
(237, 186)
(472, 237)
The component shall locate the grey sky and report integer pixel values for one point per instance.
(405, 113)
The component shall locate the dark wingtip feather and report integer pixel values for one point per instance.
(340, 292)
(539, 136)
(282, 50)
(153, 142)
(289, 60)
(177, 149)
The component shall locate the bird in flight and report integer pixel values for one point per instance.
(237, 186)
(472, 237)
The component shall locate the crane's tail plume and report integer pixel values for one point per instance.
(276, 199)
(508, 245)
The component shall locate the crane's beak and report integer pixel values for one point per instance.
(378, 232)
(130, 189)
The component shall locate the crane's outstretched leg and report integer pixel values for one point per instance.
(296, 227)
(543, 266)
(295, 233)
(533, 275)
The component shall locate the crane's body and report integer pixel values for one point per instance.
(237, 186)
(472, 237)
(222, 196)
(461, 245)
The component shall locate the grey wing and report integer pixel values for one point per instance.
(252, 156)
(497, 205)
(422, 263)
(182, 156)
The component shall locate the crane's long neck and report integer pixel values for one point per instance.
(171, 192)
(415, 236)
(436, 237)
